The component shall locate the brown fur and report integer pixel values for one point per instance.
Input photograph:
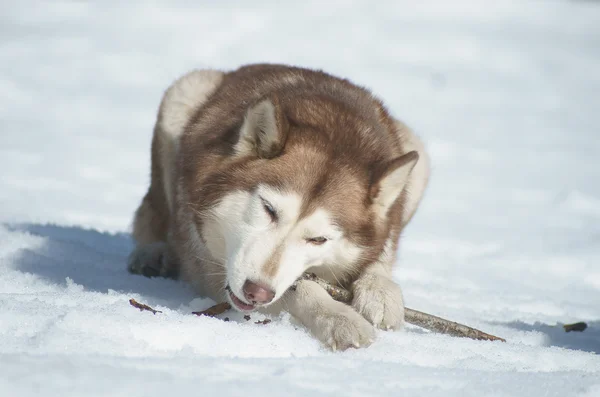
(270, 268)
(333, 142)
(333, 125)
(151, 220)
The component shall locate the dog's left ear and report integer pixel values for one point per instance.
(264, 130)
(389, 179)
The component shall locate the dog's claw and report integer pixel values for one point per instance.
(343, 328)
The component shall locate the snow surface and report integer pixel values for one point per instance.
(505, 93)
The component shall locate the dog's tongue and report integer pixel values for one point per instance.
(239, 303)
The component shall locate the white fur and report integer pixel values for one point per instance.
(224, 222)
(333, 323)
(377, 296)
(339, 262)
(240, 231)
(298, 255)
(182, 98)
(200, 267)
(419, 176)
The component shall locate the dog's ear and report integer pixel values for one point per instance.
(388, 179)
(264, 130)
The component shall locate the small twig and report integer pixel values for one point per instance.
(142, 306)
(443, 326)
(337, 293)
(215, 310)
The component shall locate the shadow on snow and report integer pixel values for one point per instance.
(97, 261)
(555, 335)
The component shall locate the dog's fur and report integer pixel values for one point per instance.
(269, 171)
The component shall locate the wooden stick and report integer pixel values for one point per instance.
(337, 293)
(415, 317)
(443, 326)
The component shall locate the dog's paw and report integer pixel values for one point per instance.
(151, 260)
(379, 300)
(341, 327)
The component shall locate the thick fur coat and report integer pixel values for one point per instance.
(265, 172)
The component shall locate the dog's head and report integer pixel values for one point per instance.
(296, 196)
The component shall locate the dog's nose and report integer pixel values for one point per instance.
(257, 293)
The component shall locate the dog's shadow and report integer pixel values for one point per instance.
(555, 335)
(97, 261)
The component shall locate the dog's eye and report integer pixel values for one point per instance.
(317, 240)
(269, 209)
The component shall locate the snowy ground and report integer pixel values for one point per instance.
(506, 95)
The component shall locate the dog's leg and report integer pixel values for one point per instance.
(150, 225)
(152, 255)
(379, 298)
(376, 295)
(153, 260)
(334, 323)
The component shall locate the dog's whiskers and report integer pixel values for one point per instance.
(211, 261)
(215, 274)
(333, 274)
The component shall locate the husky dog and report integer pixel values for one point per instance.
(268, 171)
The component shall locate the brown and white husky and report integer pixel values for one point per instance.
(268, 171)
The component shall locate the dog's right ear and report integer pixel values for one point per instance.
(264, 130)
(388, 180)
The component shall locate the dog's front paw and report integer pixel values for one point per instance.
(340, 327)
(379, 300)
(152, 260)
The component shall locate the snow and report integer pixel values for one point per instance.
(505, 94)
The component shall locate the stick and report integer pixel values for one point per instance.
(215, 310)
(443, 326)
(142, 306)
(337, 293)
(415, 317)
